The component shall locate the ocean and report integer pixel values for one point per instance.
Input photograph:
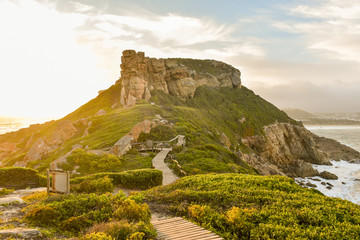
(348, 185)
(7, 126)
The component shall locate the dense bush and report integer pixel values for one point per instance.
(123, 229)
(16, 177)
(99, 186)
(74, 214)
(159, 133)
(133, 179)
(240, 206)
(88, 162)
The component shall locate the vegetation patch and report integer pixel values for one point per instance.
(16, 177)
(238, 206)
(133, 179)
(88, 163)
(73, 215)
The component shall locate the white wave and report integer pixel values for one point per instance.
(330, 127)
(347, 186)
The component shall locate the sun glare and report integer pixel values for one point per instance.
(40, 44)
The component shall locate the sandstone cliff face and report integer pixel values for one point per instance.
(179, 77)
(285, 149)
(337, 151)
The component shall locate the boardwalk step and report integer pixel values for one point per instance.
(180, 229)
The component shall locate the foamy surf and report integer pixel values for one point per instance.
(347, 186)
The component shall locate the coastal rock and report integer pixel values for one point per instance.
(288, 147)
(328, 175)
(179, 77)
(336, 150)
(309, 184)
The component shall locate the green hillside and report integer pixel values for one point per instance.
(235, 112)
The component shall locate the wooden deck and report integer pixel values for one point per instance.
(180, 229)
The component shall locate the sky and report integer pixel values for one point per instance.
(56, 55)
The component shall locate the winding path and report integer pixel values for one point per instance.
(158, 161)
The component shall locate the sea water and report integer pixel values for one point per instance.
(348, 184)
(11, 126)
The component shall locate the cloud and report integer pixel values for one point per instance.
(330, 29)
(312, 97)
(333, 9)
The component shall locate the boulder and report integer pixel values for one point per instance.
(122, 146)
(144, 126)
(328, 175)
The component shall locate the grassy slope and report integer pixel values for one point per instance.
(258, 207)
(211, 112)
(202, 119)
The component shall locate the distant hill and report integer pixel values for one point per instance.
(298, 113)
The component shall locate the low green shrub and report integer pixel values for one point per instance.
(239, 206)
(133, 179)
(5, 191)
(89, 163)
(17, 177)
(123, 229)
(158, 133)
(75, 214)
(99, 186)
(96, 236)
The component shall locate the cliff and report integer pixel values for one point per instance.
(179, 77)
(285, 149)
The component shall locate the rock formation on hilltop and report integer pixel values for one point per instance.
(176, 76)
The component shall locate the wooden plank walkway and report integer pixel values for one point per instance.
(180, 229)
(158, 161)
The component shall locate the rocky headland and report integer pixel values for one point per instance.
(282, 146)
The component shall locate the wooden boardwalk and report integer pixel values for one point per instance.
(180, 229)
(158, 161)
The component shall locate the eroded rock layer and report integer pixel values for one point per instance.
(178, 77)
(285, 149)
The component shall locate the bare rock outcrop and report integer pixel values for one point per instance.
(179, 77)
(63, 132)
(337, 151)
(39, 149)
(288, 147)
(124, 143)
